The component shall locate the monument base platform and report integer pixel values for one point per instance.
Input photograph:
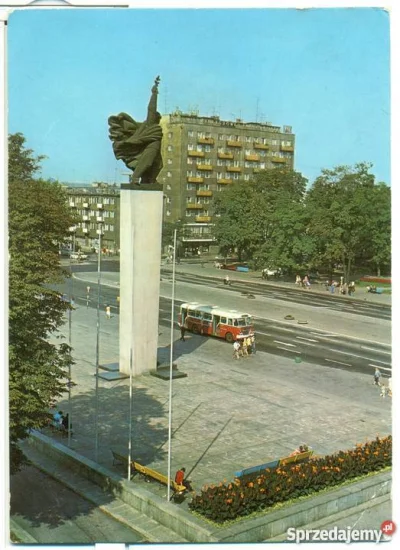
(163, 371)
(111, 376)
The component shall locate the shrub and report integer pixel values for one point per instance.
(228, 501)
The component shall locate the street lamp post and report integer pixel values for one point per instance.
(170, 370)
(72, 231)
(96, 425)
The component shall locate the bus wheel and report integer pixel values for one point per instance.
(229, 337)
(195, 329)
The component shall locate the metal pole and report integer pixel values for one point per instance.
(170, 370)
(96, 421)
(130, 417)
(70, 345)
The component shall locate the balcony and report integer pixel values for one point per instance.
(203, 193)
(72, 204)
(262, 146)
(85, 230)
(224, 180)
(280, 160)
(203, 219)
(225, 156)
(85, 218)
(233, 169)
(206, 141)
(196, 154)
(204, 167)
(194, 206)
(252, 157)
(234, 143)
(193, 179)
(99, 219)
(99, 205)
(287, 148)
(85, 205)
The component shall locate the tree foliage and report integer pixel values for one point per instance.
(39, 221)
(274, 221)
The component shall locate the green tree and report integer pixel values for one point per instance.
(39, 221)
(341, 210)
(380, 228)
(265, 219)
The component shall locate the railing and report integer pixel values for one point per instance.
(224, 180)
(204, 193)
(225, 156)
(252, 157)
(193, 179)
(196, 153)
(193, 206)
(203, 219)
(204, 167)
(207, 141)
(234, 143)
(233, 169)
(263, 146)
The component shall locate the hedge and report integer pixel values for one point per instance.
(228, 501)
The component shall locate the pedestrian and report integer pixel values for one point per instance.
(351, 288)
(306, 282)
(383, 391)
(108, 312)
(180, 479)
(333, 285)
(298, 280)
(245, 353)
(236, 348)
(253, 344)
(183, 330)
(389, 389)
(377, 377)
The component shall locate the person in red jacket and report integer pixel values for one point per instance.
(180, 479)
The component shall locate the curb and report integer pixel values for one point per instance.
(21, 534)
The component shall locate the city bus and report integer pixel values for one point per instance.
(229, 324)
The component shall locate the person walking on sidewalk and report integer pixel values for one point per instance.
(108, 312)
(377, 377)
(236, 348)
(253, 344)
(183, 330)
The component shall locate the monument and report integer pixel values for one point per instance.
(138, 145)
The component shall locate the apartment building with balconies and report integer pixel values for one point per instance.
(204, 155)
(98, 208)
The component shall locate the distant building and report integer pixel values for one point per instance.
(98, 208)
(203, 155)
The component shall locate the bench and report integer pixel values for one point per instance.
(121, 459)
(274, 464)
(159, 477)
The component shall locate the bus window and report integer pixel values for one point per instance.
(235, 323)
(191, 313)
(223, 321)
(241, 322)
(230, 322)
(207, 316)
(198, 314)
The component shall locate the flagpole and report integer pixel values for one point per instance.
(130, 418)
(170, 370)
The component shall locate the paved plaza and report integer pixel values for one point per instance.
(226, 414)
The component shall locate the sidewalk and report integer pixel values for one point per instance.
(255, 277)
(227, 415)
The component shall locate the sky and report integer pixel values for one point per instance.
(325, 72)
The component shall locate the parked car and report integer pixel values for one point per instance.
(78, 256)
(270, 272)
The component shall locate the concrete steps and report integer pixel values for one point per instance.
(150, 529)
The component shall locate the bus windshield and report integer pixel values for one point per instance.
(242, 322)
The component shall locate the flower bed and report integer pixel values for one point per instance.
(228, 501)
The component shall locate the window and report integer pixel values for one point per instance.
(265, 141)
(191, 133)
(262, 153)
(106, 214)
(207, 317)
(169, 200)
(220, 175)
(169, 148)
(169, 161)
(111, 226)
(200, 135)
(112, 214)
(247, 164)
(168, 187)
(248, 139)
(235, 176)
(200, 148)
(262, 165)
(219, 162)
(190, 160)
(168, 212)
(246, 177)
(247, 152)
(169, 175)
(207, 135)
(221, 137)
(221, 150)
(112, 201)
(106, 227)
(190, 186)
(92, 213)
(236, 163)
(190, 146)
(189, 173)
(207, 148)
(220, 187)
(207, 175)
(189, 199)
(199, 175)
(274, 142)
(223, 320)
(188, 213)
(169, 135)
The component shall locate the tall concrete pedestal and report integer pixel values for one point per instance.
(141, 211)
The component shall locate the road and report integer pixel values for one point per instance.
(278, 338)
(53, 514)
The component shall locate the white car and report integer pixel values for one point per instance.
(78, 256)
(269, 272)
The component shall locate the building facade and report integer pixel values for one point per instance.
(203, 155)
(98, 209)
